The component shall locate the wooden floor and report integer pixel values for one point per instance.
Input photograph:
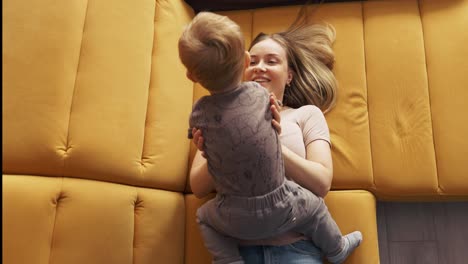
(423, 233)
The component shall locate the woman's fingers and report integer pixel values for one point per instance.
(195, 136)
(275, 101)
(277, 126)
(198, 140)
(200, 146)
(275, 111)
(200, 143)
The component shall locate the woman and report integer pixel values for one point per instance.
(295, 66)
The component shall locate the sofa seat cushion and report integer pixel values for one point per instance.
(66, 220)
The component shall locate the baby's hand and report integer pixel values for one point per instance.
(198, 140)
(275, 109)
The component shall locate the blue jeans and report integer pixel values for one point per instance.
(300, 252)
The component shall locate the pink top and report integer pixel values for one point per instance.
(300, 127)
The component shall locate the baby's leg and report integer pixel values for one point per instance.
(325, 233)
(351, 242)
(224, 249)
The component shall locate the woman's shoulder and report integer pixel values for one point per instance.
(313, 123)
(310, 109)
(306, 112)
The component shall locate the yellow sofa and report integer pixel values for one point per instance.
(96, 104)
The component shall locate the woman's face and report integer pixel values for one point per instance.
(269, 67)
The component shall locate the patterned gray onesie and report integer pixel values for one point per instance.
(254, 199)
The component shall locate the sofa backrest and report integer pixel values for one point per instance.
(95, 90)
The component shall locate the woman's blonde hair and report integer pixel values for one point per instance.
(212, 49)
(311, 59)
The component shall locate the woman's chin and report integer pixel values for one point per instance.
(265, 85)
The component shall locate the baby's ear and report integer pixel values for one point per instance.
(190, 76)
(247, 59)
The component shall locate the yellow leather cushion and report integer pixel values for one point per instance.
(416, 82)
(65, 220)
(399, 108)
(352, 210)
(447, 66)
(96, 90)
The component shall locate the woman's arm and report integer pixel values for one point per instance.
(201, 181)
(315, 172)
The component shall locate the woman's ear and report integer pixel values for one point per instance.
(246, 59)
(290, 77)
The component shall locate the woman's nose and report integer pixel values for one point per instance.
(260, 67)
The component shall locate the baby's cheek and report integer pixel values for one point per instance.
(248, 74)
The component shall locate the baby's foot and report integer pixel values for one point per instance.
(351, 242)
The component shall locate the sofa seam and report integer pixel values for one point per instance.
(439, 190)
(67, 143)
(52, 242)
(134, 223)
(374, 186)
(142, 156)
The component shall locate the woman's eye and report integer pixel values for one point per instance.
(272, 62)
(252, 63)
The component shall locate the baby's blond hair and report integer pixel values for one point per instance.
(212, 49)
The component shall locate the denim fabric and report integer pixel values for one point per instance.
(300, 252)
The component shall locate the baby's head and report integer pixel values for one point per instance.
(212, 49)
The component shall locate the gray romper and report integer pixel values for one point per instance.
(254, 199)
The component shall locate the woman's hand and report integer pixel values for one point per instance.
(275, 109)
(198, 140)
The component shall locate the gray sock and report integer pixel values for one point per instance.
(351, 242)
